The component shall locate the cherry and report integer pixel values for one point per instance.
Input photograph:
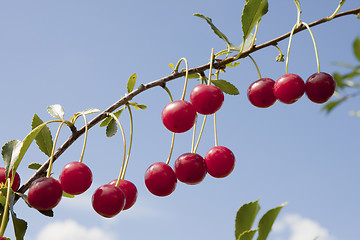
(178, 116)
(289, 88)
(190, 168)
(108, 200)
(160, 179)
(45, 193)
(320, 87)
(220, 161)
(206, 99)
(16, 184)
(129, 190)
(261, 93)
(75, 178)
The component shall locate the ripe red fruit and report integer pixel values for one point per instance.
(160, 179)
(289, 88)
(206, 99)
(220, 161)
(45, 193)
(129, 190)
(320, 87)
(16, 184)
(75, 178)
(190, 168)
(261, 93)
(108, 200)
(178, 116)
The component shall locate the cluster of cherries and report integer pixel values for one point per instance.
(319, 87)
(190, 168)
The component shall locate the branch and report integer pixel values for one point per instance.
(162, 82)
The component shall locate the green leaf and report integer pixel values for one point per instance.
(339, 80)
(266, 222)
(85, 112)
(107, 120)
(137, 106)
(245, 217)
(172, 66)
(226, 87)
(329, 106)
(34, 166)
(215, 29)
(131, 82)
(43, 138)
(111, 128)
(67, 195)
(247, 235)
(56, 111)
(253, 11)
(48, 213)
(20, 225)
(233, 64)
(356, 47)
(10, 152)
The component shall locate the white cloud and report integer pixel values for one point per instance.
(301, 228)
(69, 229)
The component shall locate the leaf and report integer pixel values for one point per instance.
(56, 111)
(280, 58)
(172, 66)
(339, 80)
(215, 29)
(34, 166)
(356, 47)
(226, 87)
(20, 226)
(266, 222)
(111, 128)
(43, 138)
(329, 106)
(245, 217)
(247, 235)
(107, 120)
(131, 82)
(48, 213)
(137, 106)
(85, 112)
(67, 195)
(10, 152)
(248, 42)
(233, 64)
(253, 11)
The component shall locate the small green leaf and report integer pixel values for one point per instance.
(67, 195)
(43, 138)
(48, 213)
(111, 128)
(20, 227)
(131, 82)
(329, 106)
(280, 58)
(56, 111)
(226, 87)
(356, 47)
(10, 153)
(137, 106)
(253, 11)
(107, 120)
(245, 217)
(233, 64)
(339, 80)
(247, 235)
(34, 166)
(171, 65)
(215, 29)
(266, 222)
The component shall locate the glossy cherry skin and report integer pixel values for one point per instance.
(45, 193)
(206, 99)
(75, 178)
(108, 200)
(261, 94)
(160, 179)
(190, 168)
(16, 184)
(220, 161)
(289, 88)
(129, 190)
(319, 87)
(179, 116)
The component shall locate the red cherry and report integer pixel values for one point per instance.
(320, 87)
(206, 99)
(289, 88)
(178, 116)
(16, 184)
(261, 93)
(108, 200)
(129, 190)
(220, 161)
(75, 178)
(45, 193)
(160, 179)
(190, 168)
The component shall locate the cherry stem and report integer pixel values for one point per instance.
(297, 3)
(257, 68)
(315, 48)
(6, 209)
(186, 75)
(169, 93)
(171, 148)
(130, 143)
(336, 10)
(215, 131)
(200, 134)
(85, 138)
(53, 149)
(211, 65)
(289, 46)
(124, 144)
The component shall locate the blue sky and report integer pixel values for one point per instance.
(80, 54)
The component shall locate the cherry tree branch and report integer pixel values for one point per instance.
(162, 82)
